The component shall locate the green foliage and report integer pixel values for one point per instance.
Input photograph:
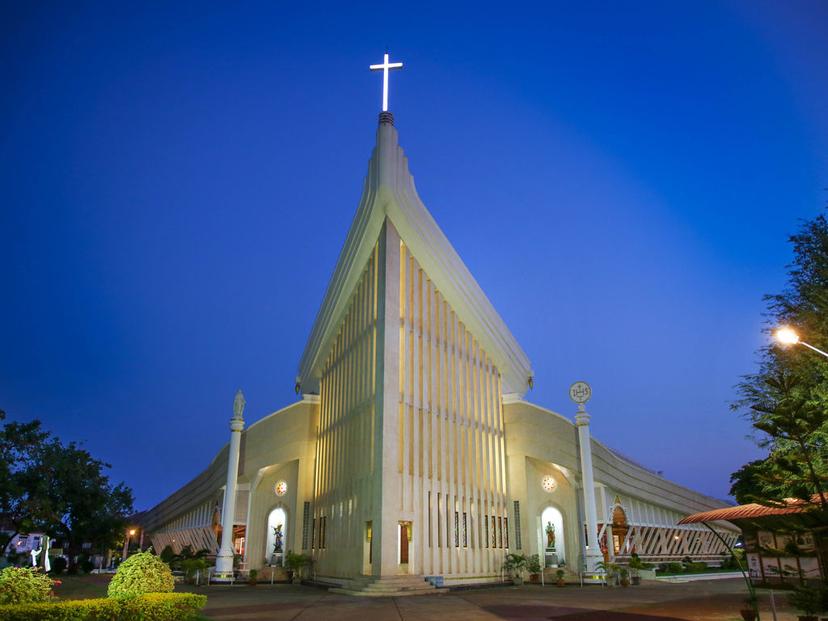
(150, 607)
(297, 562)
(533, 565)
(21, 585)
(786, 400)
(696, 567)
(185, 558)
(808, 600)
(675, 568)
(58, 565)
(141, 573)
(252, 576)
(515, 563)
(191, 566)
(560, 574)
(57, 488)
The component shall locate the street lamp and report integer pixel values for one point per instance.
(788, 336)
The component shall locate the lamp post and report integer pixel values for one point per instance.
(130, 533)
(786, 335)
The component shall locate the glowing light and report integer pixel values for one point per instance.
(384, 67)
(131, 532)
(786, 336)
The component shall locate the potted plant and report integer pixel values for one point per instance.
(533, 566)
(295, 565)
(560, 576)
(636, 565)
(514, 565)
(610, 571)
(624, 575)
(252, 576)
(807, 600)
(748, 611)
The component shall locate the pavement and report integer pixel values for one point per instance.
(715, 600)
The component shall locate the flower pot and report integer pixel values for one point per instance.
(636, 580)
(625, 582)
(561, 582)
(534, 578)
(517, 580)
(748, 614)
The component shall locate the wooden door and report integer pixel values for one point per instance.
(403, 544)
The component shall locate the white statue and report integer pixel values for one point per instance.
(47, 566)
(35, 554)
(238, 405)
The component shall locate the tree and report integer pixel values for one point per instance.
(787, 399)
(19, 443)
(80, 504)
(59, 489)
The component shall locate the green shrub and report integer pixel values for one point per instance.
(808, 600)
(191, 566)
(21, 585)
(150, 607)
(58, 565)
(697, 567)
(167, 554)
(141, 573)
(675, 568)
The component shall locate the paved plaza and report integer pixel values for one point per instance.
(712, 600)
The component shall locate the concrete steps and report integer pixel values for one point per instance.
(390, 586)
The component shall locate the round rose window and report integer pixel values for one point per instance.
(280, 488)
(549, 484)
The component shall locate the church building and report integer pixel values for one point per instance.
(413, 450)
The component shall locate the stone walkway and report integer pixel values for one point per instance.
(718, 600)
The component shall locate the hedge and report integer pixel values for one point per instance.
(149, 607)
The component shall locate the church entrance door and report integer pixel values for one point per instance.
(405, 539)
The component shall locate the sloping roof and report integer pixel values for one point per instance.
(389, 192)
(754, 510)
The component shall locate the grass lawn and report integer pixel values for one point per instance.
(82, 587)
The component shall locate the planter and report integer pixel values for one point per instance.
(748, 614)
(625, 582)
(534, 578)
(561, 582)
(517, 580)
(635, 580)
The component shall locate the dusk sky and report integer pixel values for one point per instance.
(177, 179)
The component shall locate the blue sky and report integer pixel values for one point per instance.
(176, 181)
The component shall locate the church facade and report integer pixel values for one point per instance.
(413, 449)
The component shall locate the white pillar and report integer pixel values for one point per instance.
(593, 552)
(224, 560)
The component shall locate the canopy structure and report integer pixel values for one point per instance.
(742, 512)
(805, 512)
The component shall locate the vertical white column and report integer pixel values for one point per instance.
(593, 553)
(386, 497)
(224, 560)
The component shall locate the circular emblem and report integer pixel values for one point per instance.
(549, 484)
(580, 392)
(280, 488)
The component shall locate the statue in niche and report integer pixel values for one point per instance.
(550, 536)
(277, 539)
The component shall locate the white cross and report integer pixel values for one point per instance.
(385, 66)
